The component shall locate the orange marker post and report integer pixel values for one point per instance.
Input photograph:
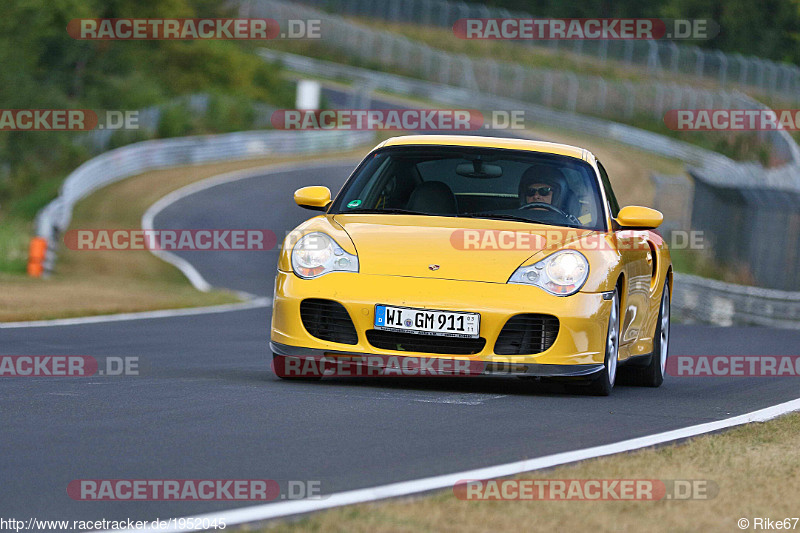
(36, 255)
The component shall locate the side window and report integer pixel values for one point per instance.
(612, 200)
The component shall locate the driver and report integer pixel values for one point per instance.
(541, 183)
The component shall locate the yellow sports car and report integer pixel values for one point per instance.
(460, 255)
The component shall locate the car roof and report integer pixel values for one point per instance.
(490, 142)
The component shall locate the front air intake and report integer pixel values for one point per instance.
(328, 320)
(412, 342)
(527, 334)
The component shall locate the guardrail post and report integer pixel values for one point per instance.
(427, 12)
(445, 67)
(463, 10)
(653, 63)
(519, 81)
(603, 52)
(658, 107)
(628, 52)
(743, 66)
(723, 68)
(602, 89)
(760, 73)
(572, 92)
(49, 263)
(631, 101)
(444, 16)
(773, 77)
(674, 57)
(577, 47)
(469, 73)
(699, 64)
(548, 89)
(494, 76)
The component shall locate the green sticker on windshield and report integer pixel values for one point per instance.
(354, 203)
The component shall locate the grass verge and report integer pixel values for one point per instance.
(102, 282)
(755, 467)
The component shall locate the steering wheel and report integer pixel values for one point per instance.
(550, 207)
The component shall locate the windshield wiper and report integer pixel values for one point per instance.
(500, 216)
(507, 216)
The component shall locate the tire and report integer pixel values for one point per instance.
(604, 383)
(652, 375)
(278, 368)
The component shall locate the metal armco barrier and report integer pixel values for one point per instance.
(727, 304)
(572, 91)
(663, 59)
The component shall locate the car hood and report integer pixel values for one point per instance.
(467, 249)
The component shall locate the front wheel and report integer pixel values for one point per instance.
(652, 375)
(604, 383)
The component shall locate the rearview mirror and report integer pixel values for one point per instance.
(315, 197)
(479, 169)
(638, 217)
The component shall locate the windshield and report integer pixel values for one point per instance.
(475, 182)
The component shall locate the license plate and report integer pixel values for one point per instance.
(428, 321)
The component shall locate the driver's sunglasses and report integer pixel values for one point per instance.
(543, 191)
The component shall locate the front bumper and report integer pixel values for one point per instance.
(349, 364)
(583, 317)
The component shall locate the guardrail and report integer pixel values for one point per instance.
(547, 88)
(53, 220)
(664, 59)
(695, 298)
(725, 304)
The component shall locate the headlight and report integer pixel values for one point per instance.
(562, 273)
(316, 254)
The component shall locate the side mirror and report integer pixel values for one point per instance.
(637, 217)
(316, 198)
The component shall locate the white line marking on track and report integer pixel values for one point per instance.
(288, 508)
(255, 303)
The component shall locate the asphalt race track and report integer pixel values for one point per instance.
(207, 406)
